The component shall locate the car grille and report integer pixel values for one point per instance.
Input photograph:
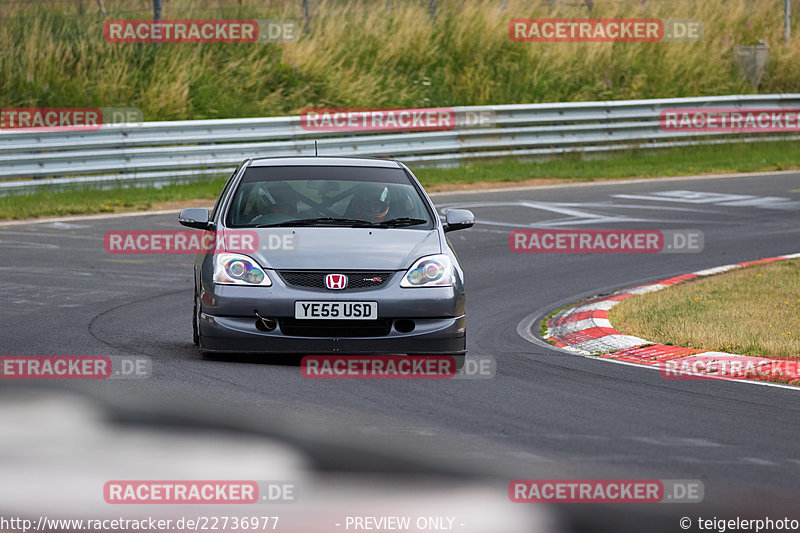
(335, 328)
(315, 279)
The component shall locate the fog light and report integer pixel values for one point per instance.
(404, 326)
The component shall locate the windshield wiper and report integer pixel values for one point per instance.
(401, 221)
(352, 222)
(321, 221)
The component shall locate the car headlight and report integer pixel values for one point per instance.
(238, 269)
(431, 271)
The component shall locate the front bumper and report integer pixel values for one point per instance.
(229, 323)
(240, 335)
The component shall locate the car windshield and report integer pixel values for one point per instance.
(327, 196)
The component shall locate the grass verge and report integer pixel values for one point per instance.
(81, 201)
(745, 157)
(750, 311)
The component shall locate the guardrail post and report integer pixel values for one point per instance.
(156, 9)
(787, 28)
(306, 16)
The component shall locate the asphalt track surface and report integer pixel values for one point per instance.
(546, 413)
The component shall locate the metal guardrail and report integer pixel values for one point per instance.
(165, 152)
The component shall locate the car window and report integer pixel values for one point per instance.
(223, 193)
(277, 195)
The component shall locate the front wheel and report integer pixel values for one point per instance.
(459, 361)
(196, 322)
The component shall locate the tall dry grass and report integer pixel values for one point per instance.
(361, 53)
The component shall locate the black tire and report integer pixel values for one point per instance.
(195, 322)
(460, 360)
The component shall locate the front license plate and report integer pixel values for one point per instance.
(337, 310)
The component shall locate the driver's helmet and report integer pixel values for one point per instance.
(369, 202)
(284, 197)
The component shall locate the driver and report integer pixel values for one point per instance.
(284, 197)
(274, 199)
(368, 203)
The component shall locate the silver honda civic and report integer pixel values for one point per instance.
(322, 255)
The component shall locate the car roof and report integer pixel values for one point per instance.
(323, 162)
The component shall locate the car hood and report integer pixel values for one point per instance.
(343, 248)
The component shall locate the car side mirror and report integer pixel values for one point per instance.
(195, 217)
(458, 219)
